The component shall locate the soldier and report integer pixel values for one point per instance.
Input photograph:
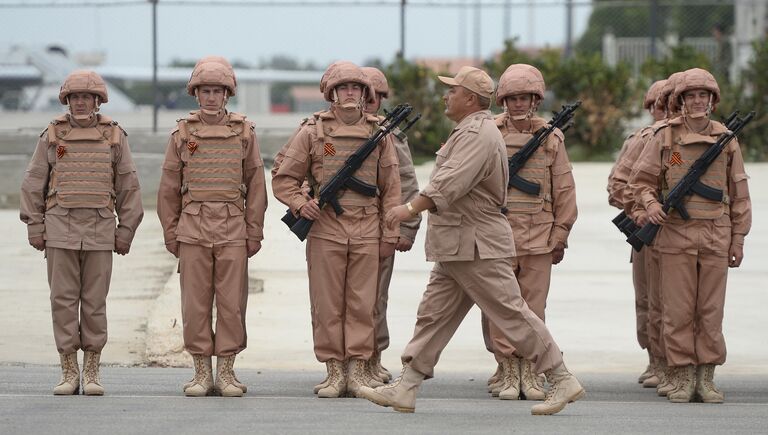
(695, 254)
(621, 197)
(80, 175)
(472, 244)
(540, 223)
(409, 188)
(211, 203)
(342, 250)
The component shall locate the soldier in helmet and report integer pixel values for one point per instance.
(540, 223)
(472, 246)
(211, 203)
(80, 176)
(342, 250)
(694, 254)
(620, 196)
(409, 188)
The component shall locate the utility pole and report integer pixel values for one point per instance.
(568, 29)
(478, 29)
(155, 90)
(654, 14)
(506, 25)
(401, 54)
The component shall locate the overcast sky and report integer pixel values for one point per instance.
(312, 33)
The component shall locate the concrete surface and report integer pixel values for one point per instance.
(590, 313)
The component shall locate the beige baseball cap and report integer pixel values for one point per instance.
(474, 79)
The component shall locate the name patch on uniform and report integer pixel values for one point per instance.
(329, 149)
(60, 150)
(676, 159)
(192, 147)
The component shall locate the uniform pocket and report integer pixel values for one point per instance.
(57, 223)
(105, 226)
(370, 226)
(235, 223)
(445, 233)
(189, 221)
(721, 234)
(540, 229)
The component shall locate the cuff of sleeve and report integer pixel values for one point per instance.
(256, 236)
(297, 203)
(737, 239)
(407, 233)
(559, 235)
(648, 200)
(389, 239)
(124, 235)
(440, 202)
(170, 236)
(35, 230)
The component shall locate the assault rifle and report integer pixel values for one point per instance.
(344, 178)
(560, 120)
(690, 184)
(625, 224)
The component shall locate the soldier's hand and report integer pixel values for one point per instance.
(310, 210)
(395, 216)
(642, 220)
(121, 248)
(173, 248)
(403, 244)
(37, 242)
(558, 253)
(386, 249)
(253, 246)
(655, 214)
(735, 255)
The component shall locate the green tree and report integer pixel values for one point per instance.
(417, 85)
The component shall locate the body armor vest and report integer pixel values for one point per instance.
(339, 141)
(681, 149)
(83, 173)
(536, 170)
(213, 169)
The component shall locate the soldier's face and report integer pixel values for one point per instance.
(82, 103)
(657, 112)
(373, 107)
(696, 100)
(456, 102)
(519, 104)
(349, 92)
(210, 97)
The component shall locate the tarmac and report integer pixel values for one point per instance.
(590, 313)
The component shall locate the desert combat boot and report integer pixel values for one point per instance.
(91, 381)
(337, 380)
(400, 394)
(564, 388)
(511, 388)
(69, 383)
(705, 384)
(531, 385)
(202, 384)
(226, 385)
(686, 385)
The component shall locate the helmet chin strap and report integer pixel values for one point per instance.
(82, 118)
(213, 112)
(705, 114)
(348, 106)
(526, 115)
